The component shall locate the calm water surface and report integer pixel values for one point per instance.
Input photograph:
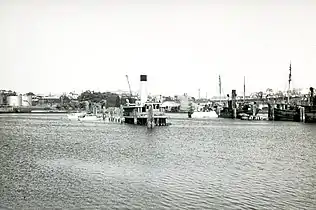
(50, 162)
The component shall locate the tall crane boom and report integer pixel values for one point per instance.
(129, 86)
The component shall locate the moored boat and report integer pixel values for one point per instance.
(310, 110)
(76, 115)
(204, 115)
(90, 117)
(144, 112)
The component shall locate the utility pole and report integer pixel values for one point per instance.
(199, 93)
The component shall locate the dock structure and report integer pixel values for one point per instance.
(140, 115)
(144, 112)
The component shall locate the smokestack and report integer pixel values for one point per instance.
(143, 89)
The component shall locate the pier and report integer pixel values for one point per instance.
(144, 112)
(142, 120)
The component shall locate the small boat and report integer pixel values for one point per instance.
(285, 113)
(201, 112)
(90, 117)
(75, 116)
(204, 115)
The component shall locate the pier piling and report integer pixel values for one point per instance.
(302, 114)
(234, 113)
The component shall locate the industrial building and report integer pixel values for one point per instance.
(16, 100)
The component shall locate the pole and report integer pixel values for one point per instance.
(220, 89)
(244, 89)
(290, 79)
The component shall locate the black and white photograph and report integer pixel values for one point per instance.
(158, 104)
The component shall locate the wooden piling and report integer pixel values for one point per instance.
(302, 114)
(234, 113)
(254, 110)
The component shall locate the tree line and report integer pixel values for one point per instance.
(107, 99)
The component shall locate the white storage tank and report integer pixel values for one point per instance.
(14, 100)
(26, 100)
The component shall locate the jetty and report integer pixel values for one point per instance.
(144, 112)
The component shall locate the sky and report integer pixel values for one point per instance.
(66, 45)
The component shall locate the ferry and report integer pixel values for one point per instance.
(144, 112)
(150, 114)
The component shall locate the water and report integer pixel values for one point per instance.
(49, 162)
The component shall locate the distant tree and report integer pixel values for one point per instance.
(295, 92)
(168, 98)
(65, 99)
(58, 106)
(82, 105)
(112, 99)
(11, 93)
(30, 94)
(279, 94)
(269, 92)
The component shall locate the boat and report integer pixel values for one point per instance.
(76, 115)
(144, 111)
(201, 112)
(90, 117)
(204, 115)
(240, 113)
(149, 114)
(284, 111)
(237, 110)
(310, 109)
(310, 114)
(233, 110)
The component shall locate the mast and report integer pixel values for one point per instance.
(220, 89)
(290, 79)
(244, 89)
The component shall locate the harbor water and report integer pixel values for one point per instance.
(50, 162)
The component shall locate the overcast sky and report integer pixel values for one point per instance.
(64, 45)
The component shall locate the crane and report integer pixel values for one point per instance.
(129, 86)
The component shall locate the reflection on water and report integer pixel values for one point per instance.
(49, 162)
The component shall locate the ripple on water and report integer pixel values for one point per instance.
(50, 162)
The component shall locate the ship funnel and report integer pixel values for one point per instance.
(143, 89)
